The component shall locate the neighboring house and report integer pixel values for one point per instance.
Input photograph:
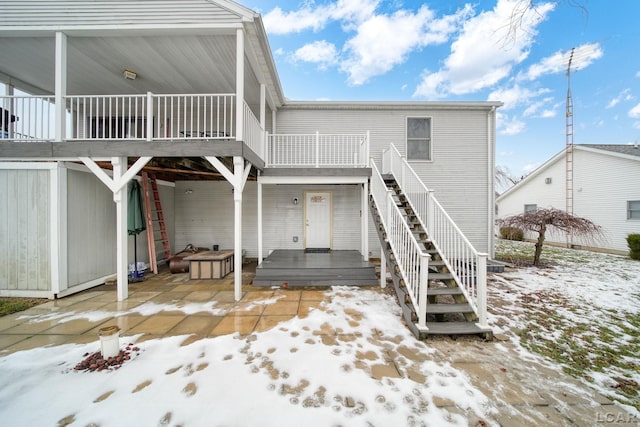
(605, 190)
(189, 91)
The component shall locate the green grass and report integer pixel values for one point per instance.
(14, 305)
(585, 341)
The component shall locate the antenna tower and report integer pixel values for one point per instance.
(569, 149)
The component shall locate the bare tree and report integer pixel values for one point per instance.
(538, 222)
(504, 179)
(523, 8)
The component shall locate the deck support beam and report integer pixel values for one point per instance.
(364, 218)
(60, 86)
(260, 237)
(120, 197)
(238, 179)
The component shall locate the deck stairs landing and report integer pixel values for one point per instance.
(297, 268)
(448, 311)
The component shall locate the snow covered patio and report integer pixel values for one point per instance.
(339, 356)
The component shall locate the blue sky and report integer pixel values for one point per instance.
(453, 50)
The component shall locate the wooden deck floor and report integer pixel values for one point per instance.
(297, 268)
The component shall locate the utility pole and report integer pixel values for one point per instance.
(569, 149)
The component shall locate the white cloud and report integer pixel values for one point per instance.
(583, 56)
(480, 57)
(311, 17)
(321, 52)
(516, 95)
(509, 125)
(383, 41)
(635, 112)
(625, 95)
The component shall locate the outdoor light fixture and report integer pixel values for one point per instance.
(295, 200)
(188, 191)
(129, 75)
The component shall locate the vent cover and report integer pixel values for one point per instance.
(547, 180)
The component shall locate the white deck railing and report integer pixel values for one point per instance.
(412, 261)
(467, 265)
(27, 118)
(142, 117)
(152, 117)
(253, 132)
(317, 150)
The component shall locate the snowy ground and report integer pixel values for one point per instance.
(582, 310)
(353, 362)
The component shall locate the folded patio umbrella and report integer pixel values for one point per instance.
(135, 218)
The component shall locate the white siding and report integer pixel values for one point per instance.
(91, 230)
(536, 191)
(458, 172)
(110, 12)
(603, 183)
(24, 230)
(602, 186)
(205, 216)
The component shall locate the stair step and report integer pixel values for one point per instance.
(444, 291)
(448, 308)
(440, 276)
(455, 328)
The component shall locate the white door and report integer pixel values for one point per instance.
(318, 219)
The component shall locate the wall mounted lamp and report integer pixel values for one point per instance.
(188, 191)
(294, 200)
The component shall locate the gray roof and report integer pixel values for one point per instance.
(628, 149)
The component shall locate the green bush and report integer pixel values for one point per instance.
(633, 240)
(512, 233)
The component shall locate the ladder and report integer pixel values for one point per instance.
(155, 225)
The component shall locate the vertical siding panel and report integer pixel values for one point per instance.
(22, 200)
(4, 230)
(44, 231)
(24, 231)
(91, 231)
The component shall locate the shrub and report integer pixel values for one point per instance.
(511, 233)
(633, 240)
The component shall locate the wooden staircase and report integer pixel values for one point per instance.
(448, 311)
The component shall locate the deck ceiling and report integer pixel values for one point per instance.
(164, 64)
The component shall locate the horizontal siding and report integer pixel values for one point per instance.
(112, 12)
(205, 217)
(536, 191)
(459, 170)
(602, 186)
(25, 258)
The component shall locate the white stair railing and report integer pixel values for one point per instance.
(412, 261)
(466, 264)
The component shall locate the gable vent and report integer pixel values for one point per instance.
(547, 180)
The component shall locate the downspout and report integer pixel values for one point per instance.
(491, 180)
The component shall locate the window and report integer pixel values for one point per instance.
(530, 208)
(633, 209)
(418, 138)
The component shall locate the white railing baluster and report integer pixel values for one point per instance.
(317, 150)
